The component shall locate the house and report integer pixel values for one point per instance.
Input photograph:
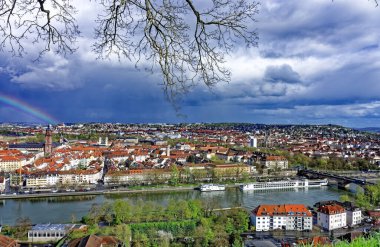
(95, 241)
(8, 242)
(353, 213)
(332, 216)
(282, 216)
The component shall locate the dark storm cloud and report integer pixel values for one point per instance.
(283, 73)
(317, 62)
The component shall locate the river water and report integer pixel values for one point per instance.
(64, 209)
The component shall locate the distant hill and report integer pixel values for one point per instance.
(370, 129)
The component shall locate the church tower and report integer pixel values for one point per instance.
(48, 147)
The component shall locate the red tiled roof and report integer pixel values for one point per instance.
(7, 242)
(275, 158)
(282, 209)
(331, 209)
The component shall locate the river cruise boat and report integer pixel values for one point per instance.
(284, 184)
(212, 187)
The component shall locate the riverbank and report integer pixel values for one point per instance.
(105, 192)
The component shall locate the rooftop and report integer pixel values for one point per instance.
(282, 209)
(52, 227)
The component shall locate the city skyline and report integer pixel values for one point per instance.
(317, 63)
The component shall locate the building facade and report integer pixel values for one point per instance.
(274, 162)
(2, 184)
(331, 217)
(284, 216)
(50, 232)
(10, 163)
(354, 216)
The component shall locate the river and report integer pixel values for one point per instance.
(64, 209)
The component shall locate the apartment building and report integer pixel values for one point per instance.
(284, 216)
(274, 162)
(11, 163)
(331, 216)
(42, 180)
(354, 216)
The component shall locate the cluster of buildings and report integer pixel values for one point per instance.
(328, 216)
(134, 153)
(311, 140)
(128, 160)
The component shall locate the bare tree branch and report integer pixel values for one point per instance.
(47, 22)
(187, 42)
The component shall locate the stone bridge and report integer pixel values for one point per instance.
(343, 181)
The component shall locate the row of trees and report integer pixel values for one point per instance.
(369, 199)
(122, 211)
(179, 223)
(332, 163)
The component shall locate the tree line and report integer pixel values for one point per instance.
(178, 223)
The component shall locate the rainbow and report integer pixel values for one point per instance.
(18, 104)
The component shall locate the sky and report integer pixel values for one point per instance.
(317, 62)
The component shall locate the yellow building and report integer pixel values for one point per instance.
(231, 170)
(10, 163)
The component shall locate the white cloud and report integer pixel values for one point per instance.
(52, 72)
(371, 109)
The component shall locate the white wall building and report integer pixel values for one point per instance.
(2, 184)
(274, 162)
(50, 232)
(284, 216)
(90, 176)
(354, 216)
(253, 142)
(331, 217)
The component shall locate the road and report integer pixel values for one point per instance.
(94, 192)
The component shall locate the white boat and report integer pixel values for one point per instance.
(284, 184)
(212, 187)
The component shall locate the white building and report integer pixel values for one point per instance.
(284, 216)
(331, 217)
(253, 142)
(90, 176)
(137, 176)
(2, 184)
(354, 216)
(50, 232)
(274, 162)
(42, 180)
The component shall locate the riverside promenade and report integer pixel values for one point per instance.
(105, 191)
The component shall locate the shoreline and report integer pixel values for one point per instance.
(104, 192)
